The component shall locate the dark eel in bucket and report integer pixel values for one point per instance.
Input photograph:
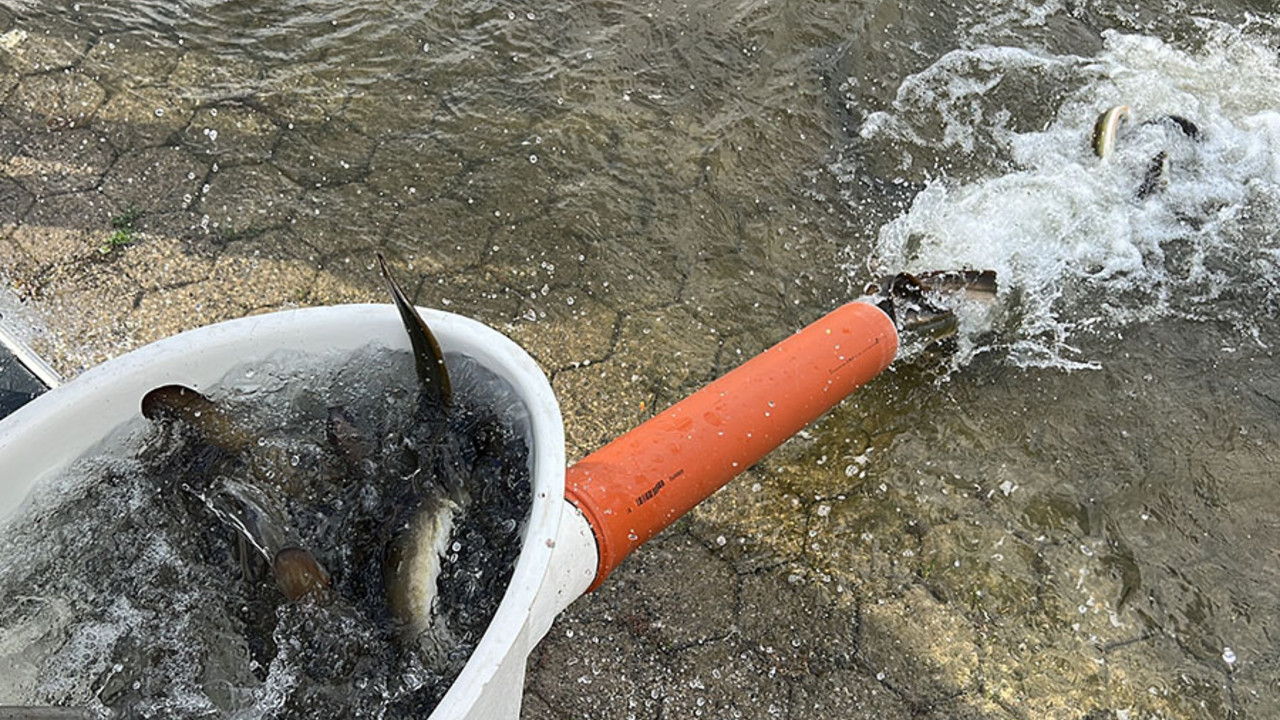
(420, 541)
(246, 509)
(403, 538)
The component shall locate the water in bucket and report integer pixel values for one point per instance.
(162, 608)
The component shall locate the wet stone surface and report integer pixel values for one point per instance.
(50, 163)
(641, 223)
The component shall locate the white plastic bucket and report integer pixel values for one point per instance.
(558, 559)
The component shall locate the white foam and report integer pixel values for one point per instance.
(1073, 244)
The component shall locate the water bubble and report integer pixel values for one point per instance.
(533, 159)
(159, 112)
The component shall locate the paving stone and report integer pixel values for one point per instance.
(753, 523)
(15, 201)
(335, 288)
(537, 252)
(262, 283)
(38, 52)
(631, 274)
(475, 295)
(798, 630)
(1152, 678)
(231, 134)
(600, 398)
(366, 107)
(48, 163)
(846, 693)
(8, 81)
(163, 179)
(739, 347)
(601, 208)
(130, 60)
(725, 680)
(161, 261)
(250, 197)
(306, 97)
(323, 154)
(415, 167)
(143, 117)
(1255, 687)
(974, 707)
(441, 233)
(66, 228)
(55, 101)
(211, 79)
(165, 312)
(988, 572)
(187, 228)
(1087, 587)
(588, 669)
(510, 187)
(1047, 674)
(533, 707)
(277, 244)
(731, 292)
(18, 270)
(863, 537)
(348, 220)
(826, 461)
(924, 651)
(669, 349)
(563, 335)
(91, 300)
(490, 119)
(677, 594)
(478, 295)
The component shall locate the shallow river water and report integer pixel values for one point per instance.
(1088, 484)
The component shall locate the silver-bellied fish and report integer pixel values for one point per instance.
(1106, 128)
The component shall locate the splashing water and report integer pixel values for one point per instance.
(1077, 250)
(155, 612)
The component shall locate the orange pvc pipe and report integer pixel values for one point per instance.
(632, 488)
